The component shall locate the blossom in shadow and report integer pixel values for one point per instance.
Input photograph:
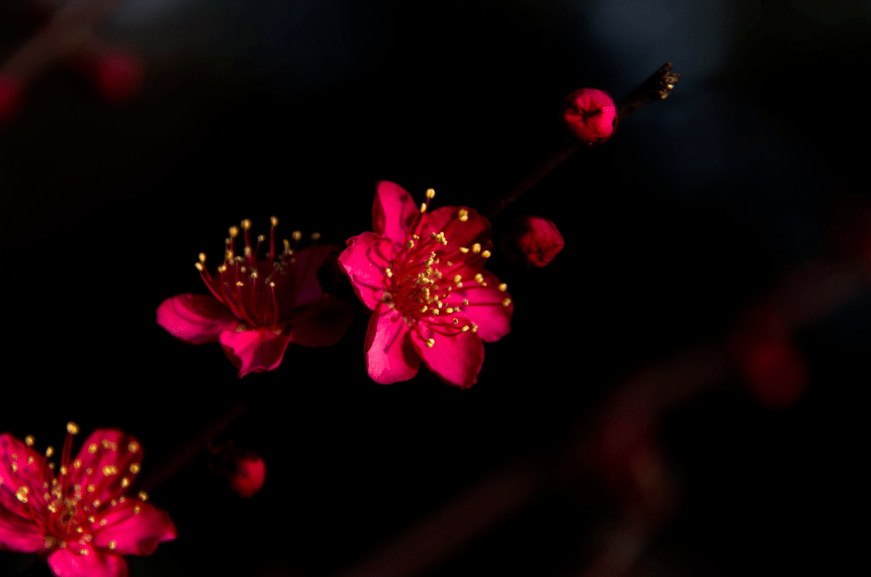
(422, 273)
(532, 241)
(81, 519)
(244, 470)
(259, 305)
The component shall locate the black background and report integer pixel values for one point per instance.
(697, 205)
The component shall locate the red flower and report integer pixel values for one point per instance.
(532, 241)
(259, 305)
(244, 469)
(589, 115)
(423, 275)
(81, 519)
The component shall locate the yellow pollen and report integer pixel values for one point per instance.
(272, 284)
(246, 224)
(423, 310)
(463, 214)
(136, 510)
(430, 342)
(28, 440)
(435, 311)
(455, 321)
(261, 237)
(296, 235)
(423, 207)
(72, 428)
(133, 446)
(49, 451)
(457, 278)
(476, 248)
(234, 231)
(273, 220)
(92, 448)
(286, 244)
(479, 278)
(463, 249)
(21, 494)
(109, 470)
(202, 257)
(91, 488)
(143, 495)
(465, 328)
(389, 272)
(29, 460)
(125, 482)
(239, 283)
(503, 287)
(134, 468)
(103, 522)
(96, 503)
(199, 266)
(474, 328)
(77, 464)
(486, 254)
(247, 251)
(92, 519)
(228, 255)
(222, 268)
(506, 302)
(112, 544)
(84, 552)
(450, 311)
(411, 244)
(315, 235)
(63, 470)
(430, 193)
(465, 301)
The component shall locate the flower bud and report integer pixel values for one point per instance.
(589, 115)
(10, 97)
(244, 469)
(774, 370)
(531, 241)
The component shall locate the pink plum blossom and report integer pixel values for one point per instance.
(82, 520)
(532, 242)
(422, 273)
(259, 305)
(589, 115)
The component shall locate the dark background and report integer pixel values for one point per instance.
(672, 229)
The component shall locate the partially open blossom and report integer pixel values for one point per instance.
(244, 469)
(259, 305)
(531, 241)
(10, 97)
(589, 115)
(774, 370)
(81, 516)
(423, 275)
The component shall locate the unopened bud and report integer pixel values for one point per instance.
(531, 241)
(589, 115)
(244, 469)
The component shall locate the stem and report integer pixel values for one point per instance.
(657, 87)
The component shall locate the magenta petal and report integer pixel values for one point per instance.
(458, 233)
(493, 318)
(456, 360)
(254, 351)
(365, 261)
(393, 212)
(106, 448)
(390, 356)
(95, 563)
(324, 328)
(27, 472)
(306, 288)
(131, 533)
(194, 319)
(19, 534)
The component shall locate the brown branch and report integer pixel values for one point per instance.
(657, 87)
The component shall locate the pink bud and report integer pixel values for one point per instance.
(532, 241)
(589, 115)
(10, 97)
(774, 370)
(244, 469)
(119, 76)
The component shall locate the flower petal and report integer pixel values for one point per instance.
(111, 456)
(390, 356)
(302, 287)
(393, 212)
(19, 534)
(129, 532)
(365, 261)
(458, 233)
(194, 319)
(456, 360)
(21, 468)
(326, 326)
(254, 351)
(94, 563)
(486, 310)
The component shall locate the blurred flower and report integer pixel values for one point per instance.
(260, 305)
(118, 76)
(82, 519)
(244, 469)
(531, 241)
(589, 115)
(774, 370)
(423, 275)
(10, 97)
